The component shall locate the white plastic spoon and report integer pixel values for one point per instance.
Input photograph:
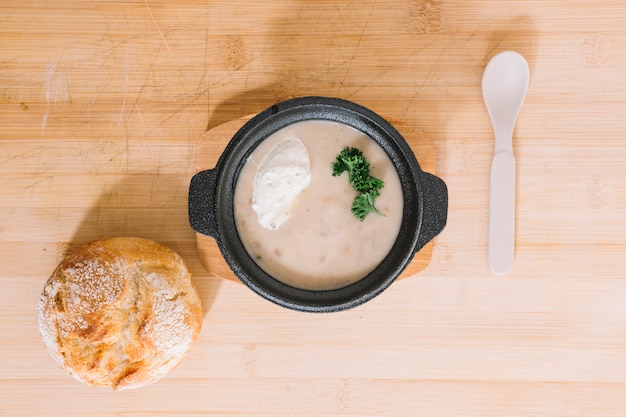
(505, 82)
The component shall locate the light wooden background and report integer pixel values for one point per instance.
(101, 107)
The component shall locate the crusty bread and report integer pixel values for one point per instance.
(120, 312)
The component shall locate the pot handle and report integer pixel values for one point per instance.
(202, 202)
(435, 208)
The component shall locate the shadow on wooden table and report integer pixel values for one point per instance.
(517, 34)
(150, 206)
(242, 104)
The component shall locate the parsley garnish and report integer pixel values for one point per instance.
(353, 161)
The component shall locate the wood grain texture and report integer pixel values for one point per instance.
(102, 105)
(211, 145)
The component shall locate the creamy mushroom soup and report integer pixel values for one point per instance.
(294, 217)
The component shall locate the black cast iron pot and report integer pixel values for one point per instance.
(211, 210)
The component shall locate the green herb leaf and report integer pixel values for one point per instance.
(351, 160)
(363, 204)
(370, 184)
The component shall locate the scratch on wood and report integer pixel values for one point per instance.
(358, 44)
(126, 69)
(48, 83)
(143, 123)
(157, 26)
(429, 76)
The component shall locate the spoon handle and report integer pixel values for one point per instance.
(502, 213)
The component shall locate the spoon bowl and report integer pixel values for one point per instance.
(504, 85)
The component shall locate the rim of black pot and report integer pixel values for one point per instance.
(275, 118)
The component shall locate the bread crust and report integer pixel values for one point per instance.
(120, 312)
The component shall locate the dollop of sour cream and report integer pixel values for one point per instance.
(281, 176)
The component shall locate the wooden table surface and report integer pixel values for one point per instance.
(102, 105)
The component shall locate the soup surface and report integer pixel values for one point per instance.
(315, 242)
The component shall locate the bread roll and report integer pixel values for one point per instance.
(120, 312)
